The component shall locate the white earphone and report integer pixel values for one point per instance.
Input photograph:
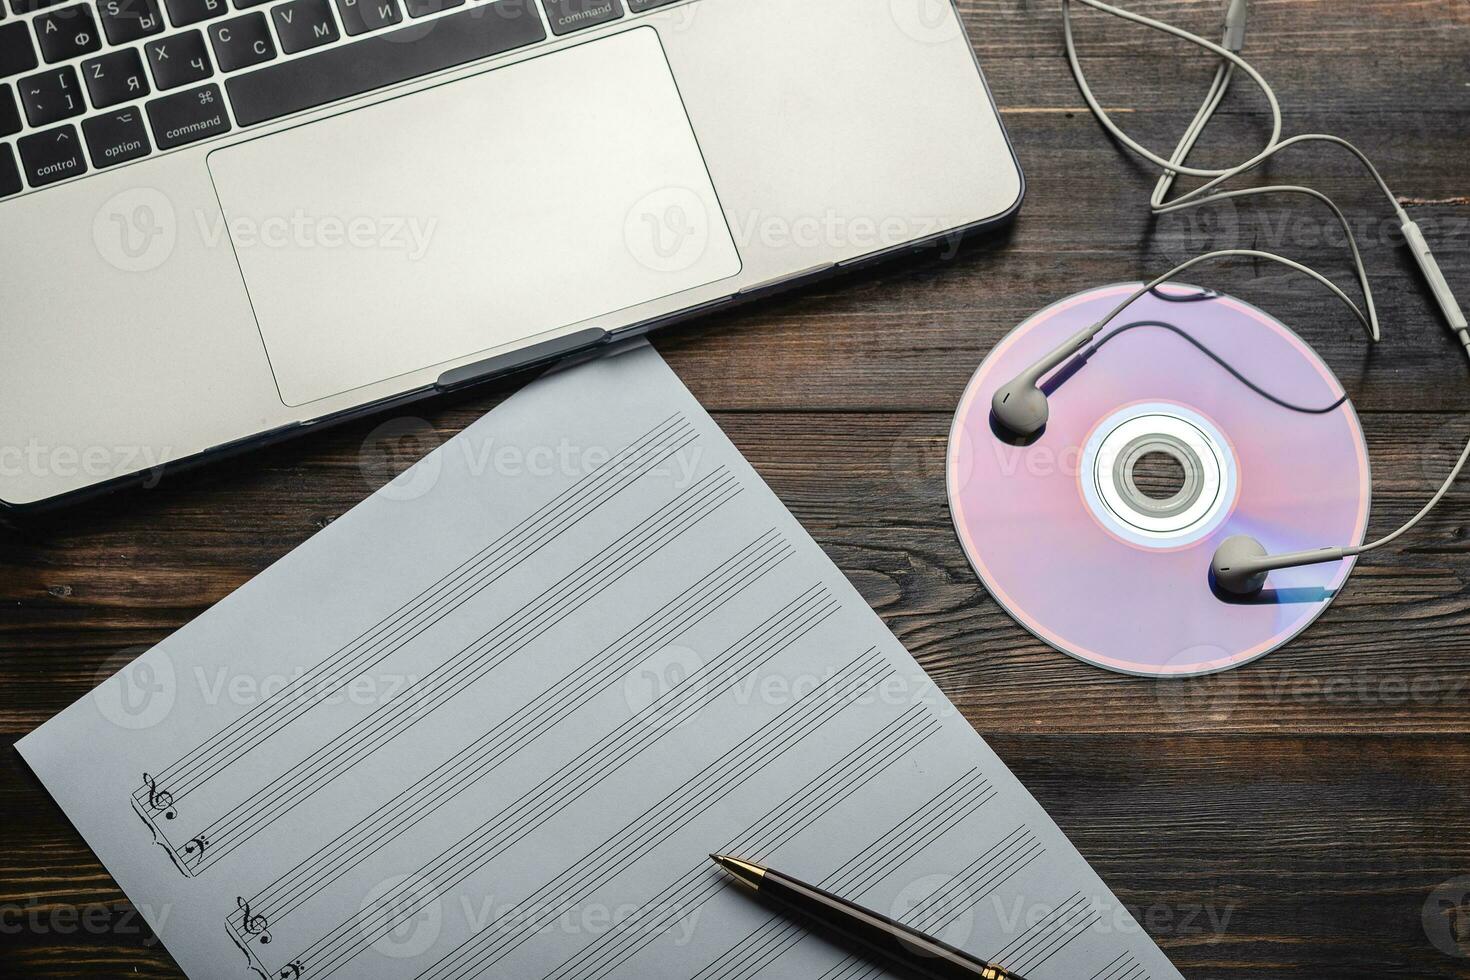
(1241, 564)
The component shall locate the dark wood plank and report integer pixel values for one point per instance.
(870, 488)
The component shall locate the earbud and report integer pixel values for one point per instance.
(1241, 563)
(1234, 565)
(1021, 407)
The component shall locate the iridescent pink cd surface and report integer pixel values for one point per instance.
(1073, 538)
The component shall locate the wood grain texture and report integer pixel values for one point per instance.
(1287, 820)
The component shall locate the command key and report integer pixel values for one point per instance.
(187, 117)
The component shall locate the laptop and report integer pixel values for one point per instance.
(227, 222)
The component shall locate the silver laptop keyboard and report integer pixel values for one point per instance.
(85, 86)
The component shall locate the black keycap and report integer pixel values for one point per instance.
(130, 20)
(31, 6)
(567, 16)
(361, 16)
(186, 12)
(9, 112)
(247, 4)
(422, 8)
(51, 96)
(17, 53)
(242, 42)
(67, 33)
(116, 137)
(188, 117)
(178, 59)
(115, 77)
(638, 6)
(51, 156)
(304, 24)
(9, 172)
(384, 59)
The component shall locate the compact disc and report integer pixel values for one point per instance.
(1245, 428)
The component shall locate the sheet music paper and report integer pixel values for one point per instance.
(491, 722)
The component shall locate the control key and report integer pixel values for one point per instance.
(53, 155)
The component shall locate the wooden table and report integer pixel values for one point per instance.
(1287, 820)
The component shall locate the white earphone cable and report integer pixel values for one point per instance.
(1211, 193)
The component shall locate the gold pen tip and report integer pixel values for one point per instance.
(744, 872)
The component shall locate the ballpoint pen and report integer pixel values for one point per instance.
(912, 951)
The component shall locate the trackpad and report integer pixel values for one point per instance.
(473, 215)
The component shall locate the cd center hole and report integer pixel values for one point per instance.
(1158, 476)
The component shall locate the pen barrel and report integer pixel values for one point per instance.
(914, 953)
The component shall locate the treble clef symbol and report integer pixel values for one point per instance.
(255, 925)
(160, 799)
(292, 970)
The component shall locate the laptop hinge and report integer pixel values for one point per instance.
(542, 353)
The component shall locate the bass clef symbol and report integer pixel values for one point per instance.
(292, 970)
(255, 925)
(196, 845)
(160, 799)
